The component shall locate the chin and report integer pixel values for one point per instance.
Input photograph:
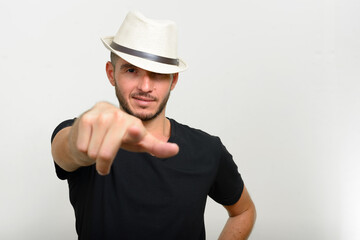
(146, 115)
(145, 118)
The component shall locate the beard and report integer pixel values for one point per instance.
(143, 117)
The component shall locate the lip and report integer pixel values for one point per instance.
(143, 101)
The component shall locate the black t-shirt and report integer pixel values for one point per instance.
(145, 197)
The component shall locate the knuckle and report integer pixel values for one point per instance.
(86, 119)
(105, 157)
(135, 122)
(92, 154)
(106, 153)
(109, 117)
(102, 119)
(99, 105)
(80, 147)
(118, 116)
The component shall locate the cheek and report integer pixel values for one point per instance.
(166, 87)
(124, 88)
(120, 91)
(161, 91)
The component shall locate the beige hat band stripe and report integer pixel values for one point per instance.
(149, 56)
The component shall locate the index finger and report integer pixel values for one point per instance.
(157, 147)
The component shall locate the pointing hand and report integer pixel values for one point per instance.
(99, 133)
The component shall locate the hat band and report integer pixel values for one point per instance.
(149, 56)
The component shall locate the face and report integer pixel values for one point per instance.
(141, 93)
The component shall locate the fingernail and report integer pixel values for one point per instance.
(101, 173)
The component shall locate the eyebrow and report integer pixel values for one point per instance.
(126, 66)
(129, 65)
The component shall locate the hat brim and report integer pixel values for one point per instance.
(146, 64)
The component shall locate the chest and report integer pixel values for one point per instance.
(181, 180)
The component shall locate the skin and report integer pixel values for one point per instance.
(139, 125)
(242, 217)
(98, 133)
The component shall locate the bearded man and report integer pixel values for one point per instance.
(132, 172)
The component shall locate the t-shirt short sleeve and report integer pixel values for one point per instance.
(61, 173)
(228, 185)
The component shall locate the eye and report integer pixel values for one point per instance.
(159, 76)
(131, 70)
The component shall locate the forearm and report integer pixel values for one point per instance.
(239, 227)
(61, 152)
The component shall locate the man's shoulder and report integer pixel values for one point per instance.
(180, 130)
(63, 124)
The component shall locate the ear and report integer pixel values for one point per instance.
(110, 71)
(174, 81)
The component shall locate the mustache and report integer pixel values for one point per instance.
(144, 95)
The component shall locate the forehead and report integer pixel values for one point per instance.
(123, 64)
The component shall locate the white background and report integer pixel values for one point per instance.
(277, 80)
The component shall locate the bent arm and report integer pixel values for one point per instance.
(62, 153)
(241, 220)
(97, 135)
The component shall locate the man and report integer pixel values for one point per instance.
(132, 172)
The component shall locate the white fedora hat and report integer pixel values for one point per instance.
(146, 43)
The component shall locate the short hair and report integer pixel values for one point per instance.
(113, 58)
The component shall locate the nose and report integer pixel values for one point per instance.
(145, 83)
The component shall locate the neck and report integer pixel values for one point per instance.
(159, 127)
